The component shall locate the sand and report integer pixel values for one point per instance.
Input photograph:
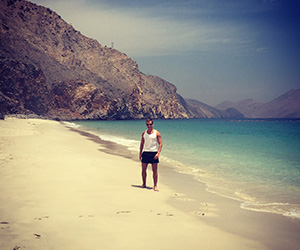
(60, 189)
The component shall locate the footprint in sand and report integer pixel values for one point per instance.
(123, 212)
(37, 236)
(205, 209)
(90, 216)
(182, 197)
(40, 218)
(4, 223)
(169, 214)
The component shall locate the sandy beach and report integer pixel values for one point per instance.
(61, 189)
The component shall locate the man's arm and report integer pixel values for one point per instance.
(159, 140)
(142, 145)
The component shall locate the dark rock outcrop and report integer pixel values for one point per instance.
(23, 88)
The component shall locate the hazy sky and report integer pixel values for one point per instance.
(211, 51)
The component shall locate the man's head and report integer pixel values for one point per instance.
(149, 122)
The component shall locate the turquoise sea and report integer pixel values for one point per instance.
(254, 161)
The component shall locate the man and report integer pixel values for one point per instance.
(150, 147)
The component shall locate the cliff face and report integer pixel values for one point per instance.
(23, 88)
(48, 68)
(81, 78)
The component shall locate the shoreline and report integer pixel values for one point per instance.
(62, 190)
(189, 201)
(247, 202)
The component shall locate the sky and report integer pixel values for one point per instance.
(212, 51)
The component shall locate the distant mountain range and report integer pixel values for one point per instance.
(203, 110)
(284, 106)
(47, 68)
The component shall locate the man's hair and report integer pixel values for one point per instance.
(149, 120)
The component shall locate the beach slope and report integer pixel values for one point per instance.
(58, 190)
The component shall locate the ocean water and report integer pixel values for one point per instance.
(254, 161)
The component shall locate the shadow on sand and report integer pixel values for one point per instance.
(140, 186)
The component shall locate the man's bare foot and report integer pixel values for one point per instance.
(155, 188)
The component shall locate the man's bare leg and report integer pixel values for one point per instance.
(144, 174)
(155, 176)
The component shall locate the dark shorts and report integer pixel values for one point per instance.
(148, 157)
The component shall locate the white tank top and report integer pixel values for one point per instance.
(150, 142)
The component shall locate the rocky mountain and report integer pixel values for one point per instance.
(285, 106)
(244, 106)
(201, 109)
(48, 68)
